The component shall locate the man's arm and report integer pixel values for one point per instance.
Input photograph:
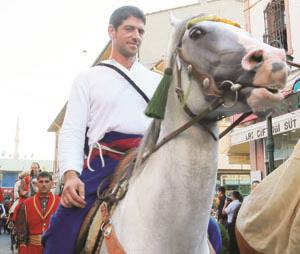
(71, 143)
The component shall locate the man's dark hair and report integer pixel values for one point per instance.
(36, 163)
(122, 13)
(237, 195)
(255, 181)
(44, 174)
(221, 189)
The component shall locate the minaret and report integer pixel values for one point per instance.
(17, 139)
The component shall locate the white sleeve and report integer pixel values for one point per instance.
(229, 208)
(72, 134)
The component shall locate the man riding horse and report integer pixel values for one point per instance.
(214, 69)
(105, 103)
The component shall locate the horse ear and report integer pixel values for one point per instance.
(173, 19)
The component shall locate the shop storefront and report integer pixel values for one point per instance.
(286, 133)
(239, 182)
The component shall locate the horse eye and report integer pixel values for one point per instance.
(196, 33)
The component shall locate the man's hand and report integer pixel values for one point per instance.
(73, 192)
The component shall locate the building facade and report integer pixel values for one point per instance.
(274, 22)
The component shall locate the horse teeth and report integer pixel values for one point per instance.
(206, 83)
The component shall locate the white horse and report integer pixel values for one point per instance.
(166, 208)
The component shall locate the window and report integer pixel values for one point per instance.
(275, 24)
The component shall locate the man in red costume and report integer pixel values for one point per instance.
(34, 215)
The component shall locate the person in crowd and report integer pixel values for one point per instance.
(231, 211)
(222, 218)
(35, 170)
(254, 184)
(34, 215)
(17, 187)
(33, 187)
(26, 187)
(1, 196)
(214, 235)
(2, 217)
(7, 205)
(104, 109)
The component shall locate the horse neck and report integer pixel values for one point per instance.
(193, 153)
(167, 205)
(184, 173)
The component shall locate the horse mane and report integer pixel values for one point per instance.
(150, 138)
(147, 144)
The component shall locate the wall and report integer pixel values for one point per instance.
(158, 27)
(294, 9)
(257, 27)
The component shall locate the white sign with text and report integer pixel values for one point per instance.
(280, 124)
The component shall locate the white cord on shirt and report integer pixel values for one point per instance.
(100, 147)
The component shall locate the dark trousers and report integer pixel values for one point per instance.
(66, 222)
(233, 247)
(2, 225)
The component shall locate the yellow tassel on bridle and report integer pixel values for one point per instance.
(211, 18)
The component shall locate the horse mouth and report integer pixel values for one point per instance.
(261, 99)
(272, 90)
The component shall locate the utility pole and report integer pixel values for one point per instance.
(270, 143)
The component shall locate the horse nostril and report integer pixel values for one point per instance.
(257, 57)
(253, 59)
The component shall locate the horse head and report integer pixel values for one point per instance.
(225, 61)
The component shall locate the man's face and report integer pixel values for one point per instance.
(220, 194)
(44, 185)
(253, 186)
(34, 168)
(127, 38)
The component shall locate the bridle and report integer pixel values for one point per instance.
(206, 81)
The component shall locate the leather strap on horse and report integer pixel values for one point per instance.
(111, 241)
(215, 104)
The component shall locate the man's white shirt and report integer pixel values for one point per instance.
(104, 101)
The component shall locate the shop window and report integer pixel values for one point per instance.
(284, 144)
(237, 182)
(275, 24)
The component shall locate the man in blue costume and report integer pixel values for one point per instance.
(105, 108)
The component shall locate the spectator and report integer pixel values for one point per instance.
(34, 215)
(2, 217)
(222, 218)
(1, 196)
(254, 184)
(214, 235)
(231, 211)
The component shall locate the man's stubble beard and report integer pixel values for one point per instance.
(127, 53)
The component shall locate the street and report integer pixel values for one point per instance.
(4, 244)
